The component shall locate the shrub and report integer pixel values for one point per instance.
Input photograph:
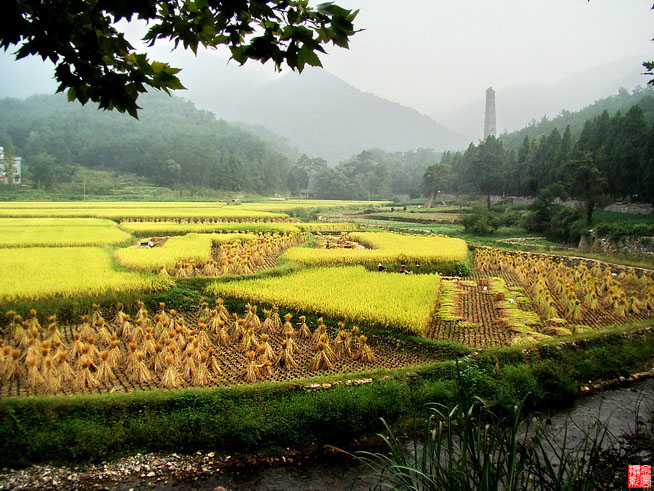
(480, 222)
(514, 382)
(567, 225)
(558, 388)
(512, 217)
(616, 232)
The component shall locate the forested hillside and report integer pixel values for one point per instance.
(173, 144)
(618, 150)
(178, 146)
(622, 101)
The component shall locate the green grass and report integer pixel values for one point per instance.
(91, 184)
(603, 216)
(415, 217)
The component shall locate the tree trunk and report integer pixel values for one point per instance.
(428, 203)
(589, 212)
(488, 201)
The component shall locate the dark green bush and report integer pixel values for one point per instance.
(512, 217)
(567, 225)
(557, 386)
(95, 427)
(480, 222)
(514, 382)
(616, 232)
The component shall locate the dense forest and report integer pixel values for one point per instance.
(371, 174)
(622, 101)
(178, 146)
(173, 144)
(620, 146)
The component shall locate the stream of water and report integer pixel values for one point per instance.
(618, 409)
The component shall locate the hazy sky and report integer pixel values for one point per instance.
(437, 55)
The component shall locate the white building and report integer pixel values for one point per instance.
(18, 169)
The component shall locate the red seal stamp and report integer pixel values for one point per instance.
(640, 476)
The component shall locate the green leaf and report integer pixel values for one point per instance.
(309, 56)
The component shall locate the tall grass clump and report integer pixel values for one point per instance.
(469, 447)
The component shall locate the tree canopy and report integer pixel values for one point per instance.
(620, 147)
(434, 180)
(173, 144)
(93, 60)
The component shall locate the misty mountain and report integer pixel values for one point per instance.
(324, 116)
(316, 112)
(519, 105)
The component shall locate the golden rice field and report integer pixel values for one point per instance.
(176, 228)
(170, 211)
(386, 247)
(267, 210)
(291, 204)
(350, 292)
(57, 232)
(45, 272)
(168, 350)
(109, 204)
(190, 247)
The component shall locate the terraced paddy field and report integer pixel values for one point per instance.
(521, 298)
(260, 330)
(30, 232)
(155, 213)
(426, 253)
(124, 354)
(503, 299)
(422, 217)
(67, 274)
